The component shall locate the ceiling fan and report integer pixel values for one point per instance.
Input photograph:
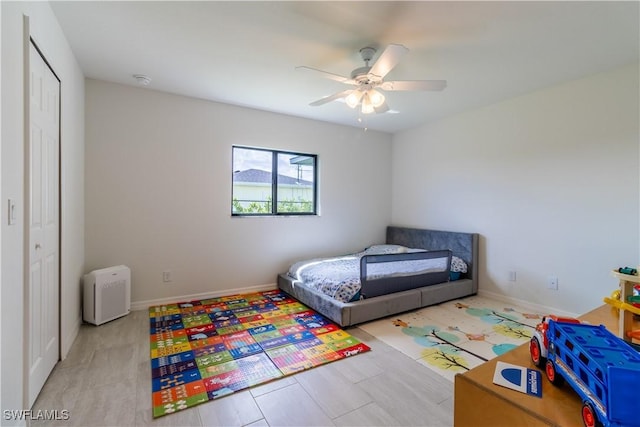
(368, 80)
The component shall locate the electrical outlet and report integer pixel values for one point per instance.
(512, 276)
(552, 283)
(166, 276)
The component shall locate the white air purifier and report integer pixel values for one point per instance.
(107, 294)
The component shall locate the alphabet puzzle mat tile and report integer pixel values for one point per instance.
(203, 350)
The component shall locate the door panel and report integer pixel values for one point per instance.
(44, 224)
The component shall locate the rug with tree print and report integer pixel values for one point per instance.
(458, 335)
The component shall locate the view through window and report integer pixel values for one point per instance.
(273, 182)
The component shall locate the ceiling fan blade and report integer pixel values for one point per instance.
(434, 85)
(327, 75)
(389, 59)
(330, 98)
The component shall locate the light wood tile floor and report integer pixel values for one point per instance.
(106, 381)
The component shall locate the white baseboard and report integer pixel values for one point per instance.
(542, 309)
(144, 305)
(70, 338)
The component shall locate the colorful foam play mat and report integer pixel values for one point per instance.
(207, 349)
(456, 336)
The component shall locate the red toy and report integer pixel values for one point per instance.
(539, 344)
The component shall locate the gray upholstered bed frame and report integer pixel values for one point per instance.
(462, 245)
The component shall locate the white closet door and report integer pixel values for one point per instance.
(43, 219)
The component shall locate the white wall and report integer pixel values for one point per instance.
(49, 37)
(158, 192)
(1, 198)
(549, 180)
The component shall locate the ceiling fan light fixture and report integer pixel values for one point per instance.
(372, 101)
(367, 107)
(375, 97)
(353, 99)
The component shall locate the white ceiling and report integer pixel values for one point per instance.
(245, 53)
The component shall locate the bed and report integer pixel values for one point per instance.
(421, 276)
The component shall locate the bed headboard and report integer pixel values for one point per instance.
(463, 245)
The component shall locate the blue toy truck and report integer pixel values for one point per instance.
(603, 369)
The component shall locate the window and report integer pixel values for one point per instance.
(272, 182)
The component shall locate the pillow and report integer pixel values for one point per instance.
(356, 297)
(385, 250)
(454, 275)
(414, 250)
(458, 265)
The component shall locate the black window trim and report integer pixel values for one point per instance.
(274, 182)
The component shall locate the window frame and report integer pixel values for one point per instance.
(274, 182)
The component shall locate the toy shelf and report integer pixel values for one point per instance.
(480, 402)
(626, 311)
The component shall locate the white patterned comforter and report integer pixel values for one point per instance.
(339, 277)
